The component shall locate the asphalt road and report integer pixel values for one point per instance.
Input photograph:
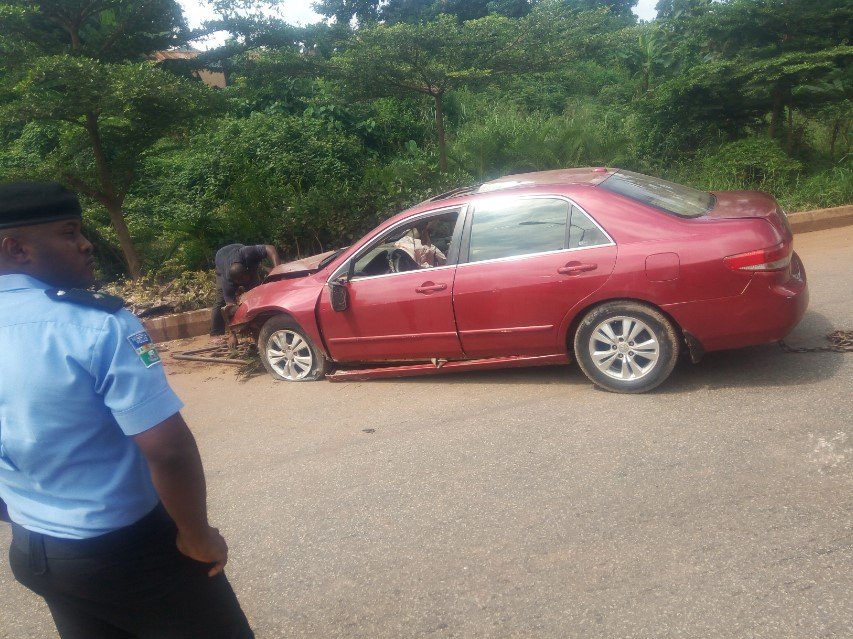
(526, 503)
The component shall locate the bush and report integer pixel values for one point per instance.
(833, 187)
(751, 163)
(511, 142)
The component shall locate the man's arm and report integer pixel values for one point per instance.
(178, 476)
(272, 254)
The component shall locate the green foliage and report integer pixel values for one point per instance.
(75, 65)
(431, 58)
(325, 130)
(749, 163)
(507, 141)
(821, 190)
(107, 30)
(414, 11)
(264, 178)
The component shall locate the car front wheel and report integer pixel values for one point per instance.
(288, 353)
(626, 347)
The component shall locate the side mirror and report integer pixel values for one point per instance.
(339, 294)
(339, 289)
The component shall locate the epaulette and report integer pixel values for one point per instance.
(101, 301)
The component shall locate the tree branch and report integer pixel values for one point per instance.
(84, 188)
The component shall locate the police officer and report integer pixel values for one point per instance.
(236, 268)
(101, 476)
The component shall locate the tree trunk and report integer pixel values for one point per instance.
(439, 125)
(776, 114)
(836, 129)
(789, 145)
(127, 248)
(110, 199)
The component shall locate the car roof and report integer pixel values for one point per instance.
(586, 176)
(561, 177)
(582, 177)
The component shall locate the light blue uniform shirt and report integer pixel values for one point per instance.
(76, 383)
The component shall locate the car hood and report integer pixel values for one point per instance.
(297, 268)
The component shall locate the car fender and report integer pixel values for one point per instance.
(296, 298)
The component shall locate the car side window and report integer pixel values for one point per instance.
(512, 227)
(583, 232)
(424, 243)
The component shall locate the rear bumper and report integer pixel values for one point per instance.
(765, 312)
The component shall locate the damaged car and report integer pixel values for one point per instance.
(617, 271)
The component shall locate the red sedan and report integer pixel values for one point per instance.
(616, 270)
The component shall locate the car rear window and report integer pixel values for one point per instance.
(668, 196)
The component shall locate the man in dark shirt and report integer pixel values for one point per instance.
(236, 268)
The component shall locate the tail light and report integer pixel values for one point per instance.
(770, 259)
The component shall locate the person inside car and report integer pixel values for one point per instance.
(416, 243)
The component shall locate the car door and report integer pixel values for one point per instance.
(404, 314)
(527, 261)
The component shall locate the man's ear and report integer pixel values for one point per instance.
(14, 250)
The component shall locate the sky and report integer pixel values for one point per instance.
(299, 12)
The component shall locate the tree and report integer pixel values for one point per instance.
(619, 8)
(78, 67)
(435, 57)
(748, 64)
(414, 11)
(344, 11)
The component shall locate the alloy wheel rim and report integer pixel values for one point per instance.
(289, 355)
(624, 348)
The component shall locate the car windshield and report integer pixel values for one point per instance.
(671, 197)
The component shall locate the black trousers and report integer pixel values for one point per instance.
(132, 583)
(217, 323)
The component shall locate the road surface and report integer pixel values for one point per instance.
(526, 503)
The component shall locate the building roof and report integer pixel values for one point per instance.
(214, 79)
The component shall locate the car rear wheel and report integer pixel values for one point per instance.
(288, 353)
(626, 347)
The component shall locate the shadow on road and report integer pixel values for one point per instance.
(767, 365)
(755, 366)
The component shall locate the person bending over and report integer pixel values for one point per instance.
(236, 269)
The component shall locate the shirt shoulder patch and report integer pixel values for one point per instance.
(144, 347)
(100, 301)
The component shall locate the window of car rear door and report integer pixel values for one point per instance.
(515, 283)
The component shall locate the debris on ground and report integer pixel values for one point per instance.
(839, 342)
(244, 356)
(150, 296)
(253, 366)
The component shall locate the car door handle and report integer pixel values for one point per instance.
(428, 287)
(576, 268)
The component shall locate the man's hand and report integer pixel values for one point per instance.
(210, 548)
(175, 465)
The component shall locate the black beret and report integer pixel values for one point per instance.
(25, 203)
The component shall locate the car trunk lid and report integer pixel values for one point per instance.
(751, 204)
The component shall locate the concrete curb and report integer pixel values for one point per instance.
(195, 323)
(821, 219)
(178, 326)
